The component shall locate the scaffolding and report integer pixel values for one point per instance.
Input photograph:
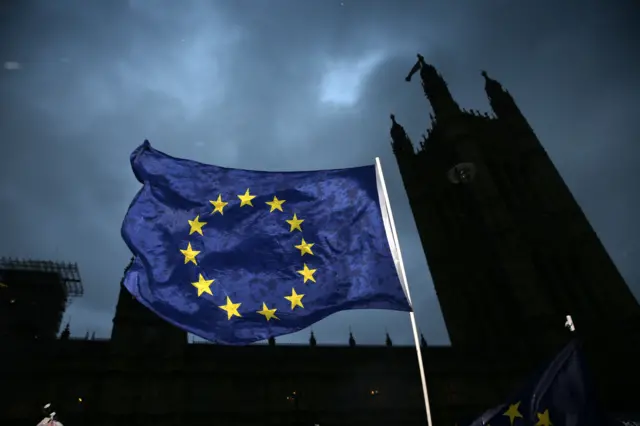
(68, 272)
(34, 296)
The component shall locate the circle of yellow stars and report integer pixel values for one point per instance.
(203, 285)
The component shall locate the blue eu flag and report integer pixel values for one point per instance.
(562, 395)
(237, 256)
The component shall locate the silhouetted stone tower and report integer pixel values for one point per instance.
(141, 343)
(509, 249)
(139, 332)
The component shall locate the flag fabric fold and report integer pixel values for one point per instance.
(562, 395)
(237, 256)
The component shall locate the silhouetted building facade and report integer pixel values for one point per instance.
(510, 253)
(163, 380)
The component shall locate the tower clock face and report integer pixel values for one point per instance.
(462, 173)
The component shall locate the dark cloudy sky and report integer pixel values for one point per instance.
(293, 84)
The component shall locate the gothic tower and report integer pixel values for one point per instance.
(142, 344)
(509, 249)
(138, 331)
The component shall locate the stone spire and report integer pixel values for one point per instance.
(66, 333)
(435, 89)
(136, 329)
(423, 341)
(400, 142)
(503, 104)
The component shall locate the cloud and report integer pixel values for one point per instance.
(293, 85)
(342, 82)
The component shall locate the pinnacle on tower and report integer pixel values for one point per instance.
(491, 86)
(401, 143)
(352, 341)
(272, 341)
(435, 89)
(312, 340)
(388, 341)
(396, 129)
(503, 104)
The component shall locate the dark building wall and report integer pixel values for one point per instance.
(257, 385)
(280, 385)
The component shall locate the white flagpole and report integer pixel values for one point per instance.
(395, 249)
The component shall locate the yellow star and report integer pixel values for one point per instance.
(295, 223)
(231, 309)
(203, 285)
(268, 313)
(245, 200)
(275, 204)
(295, 299)
(513, 412)
(543, 419)
(190, 255)
(307, 273)
(196, 226)
(304, 248)
(218, 204)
